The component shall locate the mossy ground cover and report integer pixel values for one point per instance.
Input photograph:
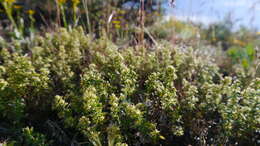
(114, 73)
(69, 88)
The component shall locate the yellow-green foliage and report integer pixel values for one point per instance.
(175, 30)
(95, 94)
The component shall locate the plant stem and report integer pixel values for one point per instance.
(8, 10)
(85, 4)
(141, 11)
(63, 16)
(74, 16)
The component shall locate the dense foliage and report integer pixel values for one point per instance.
(67, 88)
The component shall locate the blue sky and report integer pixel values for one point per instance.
(245, 12)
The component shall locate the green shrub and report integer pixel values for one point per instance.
(244, 56)
(95, 94)
(32, 138)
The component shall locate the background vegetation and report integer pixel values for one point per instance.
(94, 72)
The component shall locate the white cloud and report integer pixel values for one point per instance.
(237, 3)
(216, 11)
(256, 7)
(241, 3)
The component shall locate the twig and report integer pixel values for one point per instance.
(152, 38)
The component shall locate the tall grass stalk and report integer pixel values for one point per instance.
(32, 20)
(61, 9)
(57, 14)
(63, 16)
(85, 5)
(142, 19)
(9, 12)
(75, 7)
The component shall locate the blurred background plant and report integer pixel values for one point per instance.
(93, 14)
